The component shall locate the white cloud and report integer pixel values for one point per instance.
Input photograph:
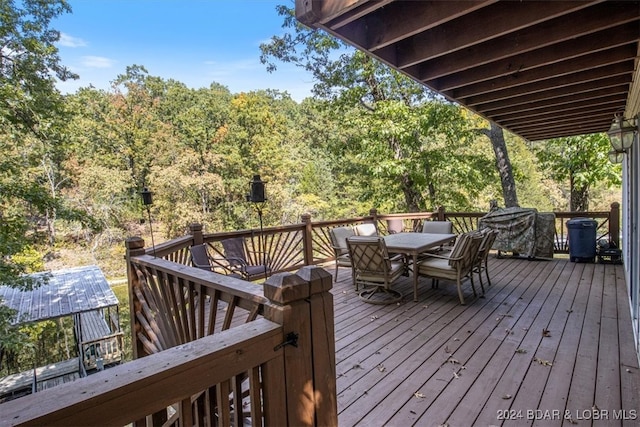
(70, 41)
(97, 62)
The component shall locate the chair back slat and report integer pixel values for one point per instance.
(234, 251)
(200, 257)
(369, 255)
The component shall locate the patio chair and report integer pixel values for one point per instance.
(440, 227)
(455, 265)
(235, 253)
(339, 236)
(200, 258)
(481, 263)
(374, 270)
(366, 229)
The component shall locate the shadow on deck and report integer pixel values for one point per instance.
(551, 340)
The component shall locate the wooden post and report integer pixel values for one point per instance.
(135, 247)
(309, 367)
(373, 213)
(196, 231)
(307, 239)
(441, 215)
(614, 224)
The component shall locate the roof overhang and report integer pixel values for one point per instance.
(60, 293)
(540, 69)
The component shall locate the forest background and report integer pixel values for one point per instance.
(74, 166)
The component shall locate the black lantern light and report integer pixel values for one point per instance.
(147, 200)
(616, 156)
(257, 196)
(622, 134)
(256, 193)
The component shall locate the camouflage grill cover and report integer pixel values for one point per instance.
(522, 230)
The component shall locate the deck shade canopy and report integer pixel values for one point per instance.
(66, 292)
(540, 69)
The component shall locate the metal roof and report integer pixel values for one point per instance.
(540, 69)
(68, 291)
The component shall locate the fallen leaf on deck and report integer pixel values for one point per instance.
(357, 366)
(508, 331)
(446, 350)
(419, 395)
(444, 425)
(571, 420)
(381, 368)
(456, 339)
(506, 397)
(454, 361)
(521, 351)
(374, 317)
(543, 362)
(455, 375)
(546, 333)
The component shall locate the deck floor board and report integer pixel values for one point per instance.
(395, 364)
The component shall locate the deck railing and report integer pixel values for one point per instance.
(308, 243)
(215, 350)
(210, 350)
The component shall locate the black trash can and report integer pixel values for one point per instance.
(582, 239)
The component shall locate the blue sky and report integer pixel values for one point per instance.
(196, 42)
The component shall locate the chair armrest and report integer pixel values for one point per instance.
(432, 255)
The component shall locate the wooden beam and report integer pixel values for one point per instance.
(548, 37)
(617, 84)
(400, 20)
(510, 86)
(515, 65)
(500, 21)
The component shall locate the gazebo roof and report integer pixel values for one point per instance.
(68, 291)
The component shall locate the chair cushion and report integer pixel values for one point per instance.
(397, 268)
(339, 236)
(440, 227)
(253, 270)
(343, 260)
(458, 248)
(367, 229)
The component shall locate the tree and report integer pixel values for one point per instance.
(582, 161)
(503, 164)
(30, 112)
(390, 141)
(32, 144)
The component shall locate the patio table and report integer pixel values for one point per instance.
(413, 244)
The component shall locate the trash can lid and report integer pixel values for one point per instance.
(581, 222)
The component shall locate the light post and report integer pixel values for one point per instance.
(147, 201)
(258, 198)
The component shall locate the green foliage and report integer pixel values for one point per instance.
(580, 162)
(73, 167)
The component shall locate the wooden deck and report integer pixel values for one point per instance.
(550, 344)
